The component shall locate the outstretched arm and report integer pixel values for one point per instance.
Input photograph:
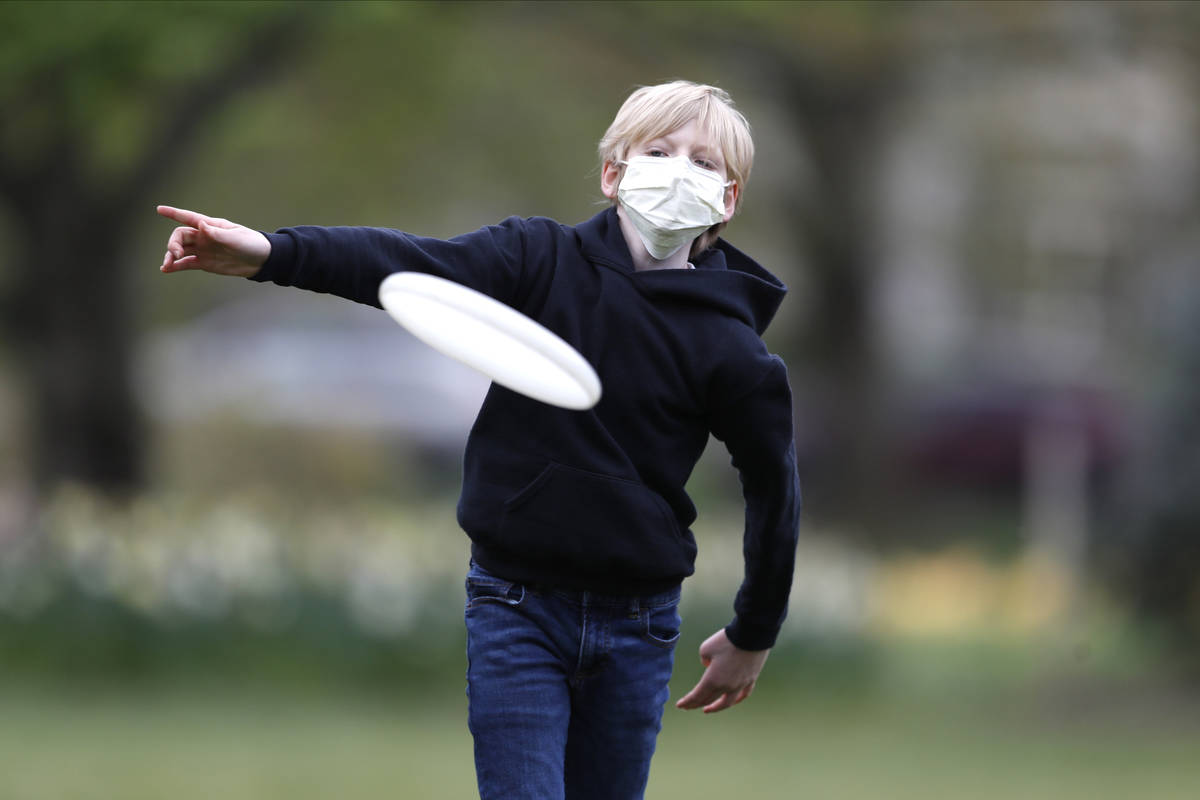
(213, 245)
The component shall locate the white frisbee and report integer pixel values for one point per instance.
(486, 335)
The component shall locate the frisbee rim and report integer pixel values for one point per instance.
(500, 317)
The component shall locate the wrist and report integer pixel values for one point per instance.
(280, 250)
(748, 636)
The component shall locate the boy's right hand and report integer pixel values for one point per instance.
(213, 245)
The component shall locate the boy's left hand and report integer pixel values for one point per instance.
(729, 675)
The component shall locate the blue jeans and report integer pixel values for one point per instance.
(565, 689)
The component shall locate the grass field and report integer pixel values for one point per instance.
(187, 741)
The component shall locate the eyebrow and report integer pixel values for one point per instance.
(709, 151)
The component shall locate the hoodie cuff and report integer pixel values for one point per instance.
(747, 636)
(283, 255)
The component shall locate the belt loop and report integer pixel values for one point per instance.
(635, 608)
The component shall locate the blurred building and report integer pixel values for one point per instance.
(310, 361)
(1031, 197)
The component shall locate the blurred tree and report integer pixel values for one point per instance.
(1151, 540)
(1157, 554)
(100, 101)
(838, 77)
(1161, 559)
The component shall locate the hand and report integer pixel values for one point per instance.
(729, 675)
(213, 245)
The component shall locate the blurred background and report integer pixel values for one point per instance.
(228, 557)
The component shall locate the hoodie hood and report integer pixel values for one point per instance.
(725, 278)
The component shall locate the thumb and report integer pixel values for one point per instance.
(212, 231)
(224, 235)
(710, 647)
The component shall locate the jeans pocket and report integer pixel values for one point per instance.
(660, 626)
(485, 588)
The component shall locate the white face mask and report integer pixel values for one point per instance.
(670, 201)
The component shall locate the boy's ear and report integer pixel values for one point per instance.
(610, 179)
(732, 193)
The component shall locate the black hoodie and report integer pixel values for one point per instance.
(594, 500)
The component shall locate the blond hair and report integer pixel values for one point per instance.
(654, 111)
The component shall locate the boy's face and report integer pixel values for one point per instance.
(691, 141)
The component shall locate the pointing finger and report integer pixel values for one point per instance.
(181, 215)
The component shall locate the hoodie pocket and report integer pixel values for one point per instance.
(596, 524)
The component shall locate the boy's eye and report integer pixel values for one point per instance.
(706, 164)
(654, 151)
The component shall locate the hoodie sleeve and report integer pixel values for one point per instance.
(352, 262)
(756, 428)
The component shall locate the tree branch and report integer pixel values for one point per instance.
(265, 51)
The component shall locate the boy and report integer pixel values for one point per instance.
(578, 520)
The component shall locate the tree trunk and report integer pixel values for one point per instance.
(72, 330)
(840, 117)
(70, 319)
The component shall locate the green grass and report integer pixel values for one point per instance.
(826, 748)
(187, 741)
(208, 743)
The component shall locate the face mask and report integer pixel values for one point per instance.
(670, 201)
